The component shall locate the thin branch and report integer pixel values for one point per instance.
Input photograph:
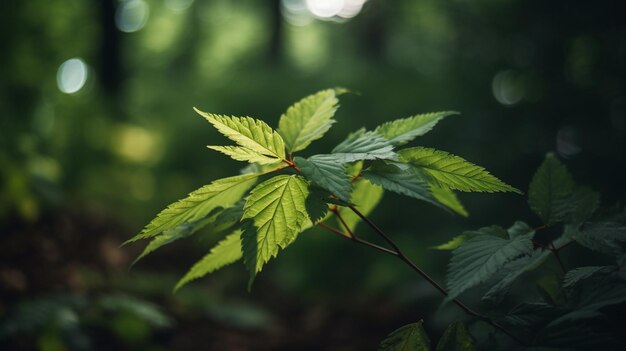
(558, 257)
(357, 240)
(398, 253)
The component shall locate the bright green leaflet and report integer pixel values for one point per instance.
(401, 131)
(453, 172)
(324, 171)
(224, 253)
(449, 199)
(480, 257)
(277, 211)
(241, 153)
(456, 338)
(365, 196)
(410, 337)
(220, 193)
(550, 190)
(308, 119)
(249, 133)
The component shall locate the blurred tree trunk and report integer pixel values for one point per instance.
(275, 49)
(109, 68)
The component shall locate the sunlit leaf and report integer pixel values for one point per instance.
(453, 172)
(224, 253)
(277, 211)
(308, 119)
(456, 338)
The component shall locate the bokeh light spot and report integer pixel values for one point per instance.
(132, 15)
(178, 5)
(325, 8)
(72, 75)
(508, 87)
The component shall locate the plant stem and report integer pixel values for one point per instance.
(398, 253)
(558, 257)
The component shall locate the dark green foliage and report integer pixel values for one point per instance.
(570, 309)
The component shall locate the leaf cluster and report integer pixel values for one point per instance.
(570, 309)
(280, 195)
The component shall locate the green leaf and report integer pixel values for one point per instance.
(449, 199)
(249, 133)
(456, 338)
(277, 210)
(308, 119)
(408, 181)
(480, 258)
(513, 270)
(182, 231)
(241, 153)
(575, 275)
(365, 196)
(453, 172)
(401, 131)
(452, 244)
(410, 337)
(362, 145)
(324, 171)
(198, 204)
(460, 239)
(520, 228)
(607, 237)
(224, 253)
(549, 191)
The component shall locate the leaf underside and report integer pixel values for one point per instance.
(362, 145)
(401, 131)
(328, 174)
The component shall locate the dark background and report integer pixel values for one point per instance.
(91, 149)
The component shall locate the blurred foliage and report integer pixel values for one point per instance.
(93, 166)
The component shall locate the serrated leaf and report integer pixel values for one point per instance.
(401, 131)
(277, 211)
(410, 337)
(453, 172)
(520, 228)
(607, 237)
(575, 275)
(409, 182)
(308, 119)
(324, 171)
(366, 197)
(241, 153)
(224, 253)
(449, 199)
(198, 204)
(463, 237)
(549, 191)
(480, 257)
(182, 231)
(513, 270)
(452, 244)
(456, 338)
(362, 145)
(250, 133)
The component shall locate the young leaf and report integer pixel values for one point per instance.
(277, 210)
(241, 153)
(308, 119)
(456, 338)
(224, 253)
(549, 191)
(365, 196)
(453, 172)
(480, 257)
(449, 199)
(401, 131)
(411, 337)
(324, 171)
(362, 145)
(249, 133)
(409, 181)
(220, 193)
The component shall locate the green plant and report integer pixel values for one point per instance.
(302, 192)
